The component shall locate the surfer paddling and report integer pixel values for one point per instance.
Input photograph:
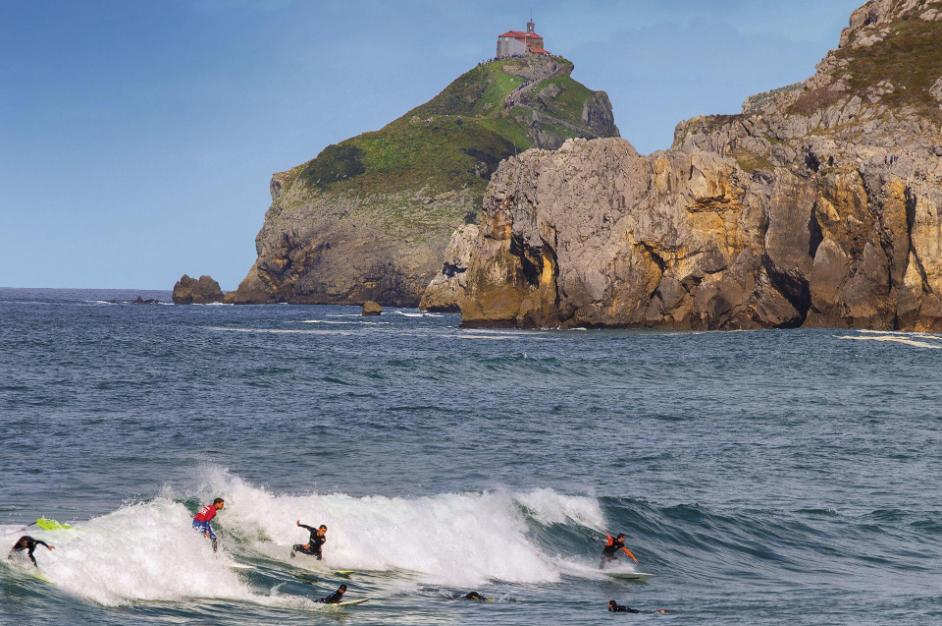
(474, 596)
(202, 521)
(318, 537)
(614, 607)
(613, 545)
(336, 597)
(29, 544)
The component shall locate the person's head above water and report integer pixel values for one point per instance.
(620, 537)
(612, 605)
(219, 503)
(342, 589)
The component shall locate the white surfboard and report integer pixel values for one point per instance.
(346, 603)
(240, 566)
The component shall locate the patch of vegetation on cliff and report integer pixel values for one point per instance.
(910, 58)
(751, 162)
(512, 127)
(441, 154)
(701, 125)
(754, 103)
(418, 217)
(568, 103)
(480, 91)
(814, 100)
(333, 164)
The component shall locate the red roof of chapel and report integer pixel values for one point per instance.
(518, 34)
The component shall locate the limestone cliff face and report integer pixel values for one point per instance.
(371, 217)
(819, 205)
(445, 289)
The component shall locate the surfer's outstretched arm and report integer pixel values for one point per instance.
(300, 525)
(628, 552)
(32, 548)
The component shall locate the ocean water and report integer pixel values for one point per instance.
(765, 477)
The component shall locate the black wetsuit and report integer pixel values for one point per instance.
(313, 546)
(29, 544)
(620, 608)
(334, 598)
(474, 595)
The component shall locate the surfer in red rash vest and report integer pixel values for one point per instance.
(202, 520)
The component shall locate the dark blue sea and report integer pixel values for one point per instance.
(769, 477)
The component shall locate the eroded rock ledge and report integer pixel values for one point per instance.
(687, 239)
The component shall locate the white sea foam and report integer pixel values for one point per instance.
(455, 539)
(415, 314)
(504, 332)
(896, 332)
(148, 552)
(281, 331)
(550, 507)
(343, 323)
(142, 552)
(893, 339)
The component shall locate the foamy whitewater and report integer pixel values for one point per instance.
(454, 540)
(762, 477)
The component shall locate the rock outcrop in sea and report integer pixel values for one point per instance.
(370, 218)
(819, 205)
(371, 308)
(204, 290)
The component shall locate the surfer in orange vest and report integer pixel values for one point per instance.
(612, 546)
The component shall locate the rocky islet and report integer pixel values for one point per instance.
(202, 290)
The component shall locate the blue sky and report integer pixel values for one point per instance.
(137, 138)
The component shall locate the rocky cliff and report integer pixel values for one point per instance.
(370, 218)
(818, 205)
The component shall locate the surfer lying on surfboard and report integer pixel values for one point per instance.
(336, 597)
(313, 546)
(612, 546)
(29, 544)
(202, 521)
(614, 607)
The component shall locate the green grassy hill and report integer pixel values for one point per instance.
(456, 140)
